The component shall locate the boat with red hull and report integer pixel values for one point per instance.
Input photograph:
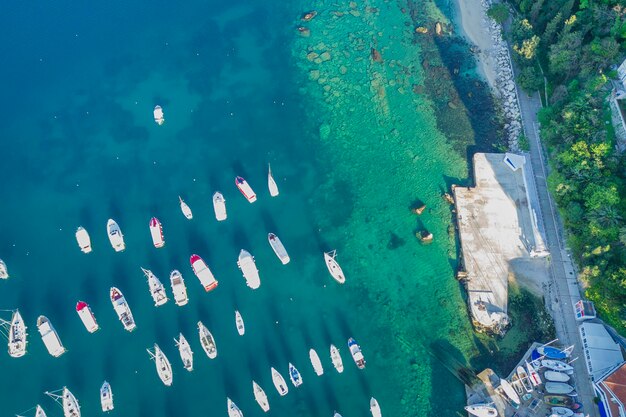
(203, 272)
(156, 231)
(245, 189)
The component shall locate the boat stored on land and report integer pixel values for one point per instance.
(279, 382)
(86, 316)
(122, 309)
(510, 392)
(375, 408)
(50, 337)
(186, 354)
(156, 232)
(157, 290)
(357, 355)
(561, 401)
(271, 184)
(185, 208)
(241, 328)
(219, 206)
(4, 272)
(115, 236)
(561, 411)
(551, 352)
(163, 366)
(207, 341)
(294, 375)
(555, 365)
(17, 335)
(245, 189)
(533, 375)
(203, 273)
(333, 266)
(83, 239)
(178, 288)
(556, 376)
(106, 397)
(278, 248)
(335, 357)
(249, 270)
(233, 410)
(482, 410)
(316, 362)
(158, 115)
(558, 388)
(523, 377)
(260, 397)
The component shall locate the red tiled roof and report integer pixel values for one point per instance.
(615, 386)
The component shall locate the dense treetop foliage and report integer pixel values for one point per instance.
(568, 51)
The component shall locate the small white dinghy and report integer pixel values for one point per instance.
(555, 365)
(178, 288)
(158, 115)
(186, 354)
(333, 266)
(279, 382)
(233, 410)
(207, 341)
(533, 375)
(271, 184)
(156, 232)
(278, 248)
(219, 206)
(555, 376)
(83, 239)
(241, 328)
(260, 397)
(106, 397)
(163, 366)
(510, 392)
(316, 362)
(4, 272)
(558, 387)
(248, 269)
(157, 289)
(482, 410)
(115, 236)
(50, 337)
(375, 408)
(335, 357)
(185, 208)
(561, 411)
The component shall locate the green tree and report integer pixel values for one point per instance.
(499, 12)
(530, 79)
(564, 56)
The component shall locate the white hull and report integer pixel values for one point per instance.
(39, 412)
(157, 289)
(83, 240)
(533, 375)
(186, 354)
(158, 115)
(558, 388)
(555, 376)
(87, 317)
(185, 209)
(278, 248)
(279, 383)
(71, 408)
(294, 375)
(122, 309)
(555, 365)
(156, 232)
(375, 408)
(481, 410)
(50, 337)
(4, 272)
(219, 206)
(241, 328)
(523, 377)
(562, 411)
(233, 410)
(207, 341)
(178, 288)
(316, 362)
(163, 366)
(17, 336)
(509, 391)
(203, 273)
(248, 269)
(335, 357)
(271, 184)
(106, 397)
(115, 236)
(333, 267)
(356, 353)
(260, 397)
(245, 189)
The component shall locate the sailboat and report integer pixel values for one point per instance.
(156, 232)
(185, 208)
(83, 239)
(555, 365)
(233, 410)
(50, 337)
(122, 309)
(279, 382)
(510, 392)
(271, 184)
(70, 405)
(482, 410)
(241, 329)
(106, 397)
(4, 272)
(558, 388)
(533, 375)
(203, 272)
(316, 362)
(115, 236)
(249, 270)
(207, 341)
(219, 206)
(158, 115)
(245, 189)
(556, 376)
(86, 316)
(260, 397)
(278, 248)
(551, 352)
(294, 375)
(39, 411)
(157, 289)
(333, 266)
(335, 357)
(178, 288)
(375, 408)
(186, 354)
(163, 367)
(17, 335)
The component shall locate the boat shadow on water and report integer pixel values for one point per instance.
(240, 238)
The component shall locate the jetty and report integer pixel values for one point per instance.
(501, 236)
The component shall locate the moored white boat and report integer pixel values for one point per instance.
(203, 272)
(39, 411)
(178, 288)
(71, 408)
(271, 184)
(249, 270)
(523, 377)
(163, 366)
(86, 316)
(556, 376)
(482, 410)
(122, 309)
(278, 248)
(316, 362)
(260, 397)
(555, 365)
(533, 375)
(333, 266)
(106, 397)
(279, 382)
(336, 414)
(219, 206)
(294, 375)
(375, 408)
(156, 232)
(50, 337)
(335, 357)
(357, 355)
(186, 354)
(115, 236)
(4, 272)
(245, 189)
(157, 289)
(233, 410)
(158, 115)
(241, 328)
(17, 335)
(207, 341)
(185, 208)
(558, 387)
(510, 392)
(83, 239)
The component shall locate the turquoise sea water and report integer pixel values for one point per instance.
(352, 145)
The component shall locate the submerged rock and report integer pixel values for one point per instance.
(376, 56)
(421, 29)
(325, 56)
(306, 32)
(438, 28)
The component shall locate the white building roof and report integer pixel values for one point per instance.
(601, 352)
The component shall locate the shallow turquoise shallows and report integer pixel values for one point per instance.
(239, 90)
